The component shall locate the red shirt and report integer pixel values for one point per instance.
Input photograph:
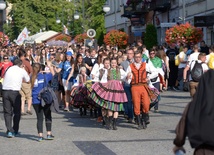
(4, 67)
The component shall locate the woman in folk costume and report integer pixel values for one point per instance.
(77, 95)
(111, 95)
(102, 77)
(197, 122)
(95, 78)
(156, 72)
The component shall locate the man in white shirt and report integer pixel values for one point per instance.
(194, 84)
(11, 97)
(194, 55)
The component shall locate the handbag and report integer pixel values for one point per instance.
(186, 86)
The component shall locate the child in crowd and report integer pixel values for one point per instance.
(78, 98)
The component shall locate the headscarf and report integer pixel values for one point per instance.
(200, 116)
(157, 62)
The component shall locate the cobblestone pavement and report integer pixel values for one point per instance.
(83, 135)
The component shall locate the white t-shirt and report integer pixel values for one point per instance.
(193, 57)
(204, 67)
(183, 56)
(13, 78)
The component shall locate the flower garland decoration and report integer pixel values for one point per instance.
(116, 38)
(80, 38)
(4, 39)
(183, 33)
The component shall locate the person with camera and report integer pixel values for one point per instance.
(39, 80)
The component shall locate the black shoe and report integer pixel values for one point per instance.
(91, 113)
(104, 120)
(146, 117)
(114, 124)
(138, 120)
(109, 125)
(81, 113)
(175, 88)
(85, 111)
(95, 113)
(143, 121)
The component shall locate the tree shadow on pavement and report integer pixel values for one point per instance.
(175, 97)
(166, 113)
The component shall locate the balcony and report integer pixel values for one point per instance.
(135, 9)
(162, 5)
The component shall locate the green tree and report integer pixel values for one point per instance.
(39, 14)
(150, 39)
(93, 17)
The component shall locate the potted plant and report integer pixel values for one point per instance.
(116, 38)
(184, 33)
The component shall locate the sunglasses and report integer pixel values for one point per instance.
(152, 53)
(5, 58)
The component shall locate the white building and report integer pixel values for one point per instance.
(113, 19)
(183, 11)
(164, 14)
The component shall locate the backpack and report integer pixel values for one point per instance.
(45, 94)
(211, 61)
(197, 71)
(177, 61)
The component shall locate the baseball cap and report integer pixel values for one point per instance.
(69, 53)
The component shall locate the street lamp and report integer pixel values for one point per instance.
(106, 8)
(2, 5)
(58, 20)
(76, 16)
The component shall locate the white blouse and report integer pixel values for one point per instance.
(95, 72)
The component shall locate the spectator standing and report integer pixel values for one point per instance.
(183, 61)
(128, 106)
(4, 65)
(26, 87)
(171, 53)
(11, 96)
(39, 80)
(194, 84)
(204, 48)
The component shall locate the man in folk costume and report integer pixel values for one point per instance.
(137, 76)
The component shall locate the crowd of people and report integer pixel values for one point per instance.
(105, 81)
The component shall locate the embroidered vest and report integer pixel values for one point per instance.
(114, 74)
(138, 75)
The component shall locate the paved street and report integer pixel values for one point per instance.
(83, 135)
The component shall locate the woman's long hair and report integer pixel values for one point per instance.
(36, 69)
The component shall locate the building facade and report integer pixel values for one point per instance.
(162, 13)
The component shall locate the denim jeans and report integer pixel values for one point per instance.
(128, 106)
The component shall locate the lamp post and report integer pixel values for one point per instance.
(106, 8)
(2, 7)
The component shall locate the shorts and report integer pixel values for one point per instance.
(180, 74)
(26, 91)
(66, 87)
